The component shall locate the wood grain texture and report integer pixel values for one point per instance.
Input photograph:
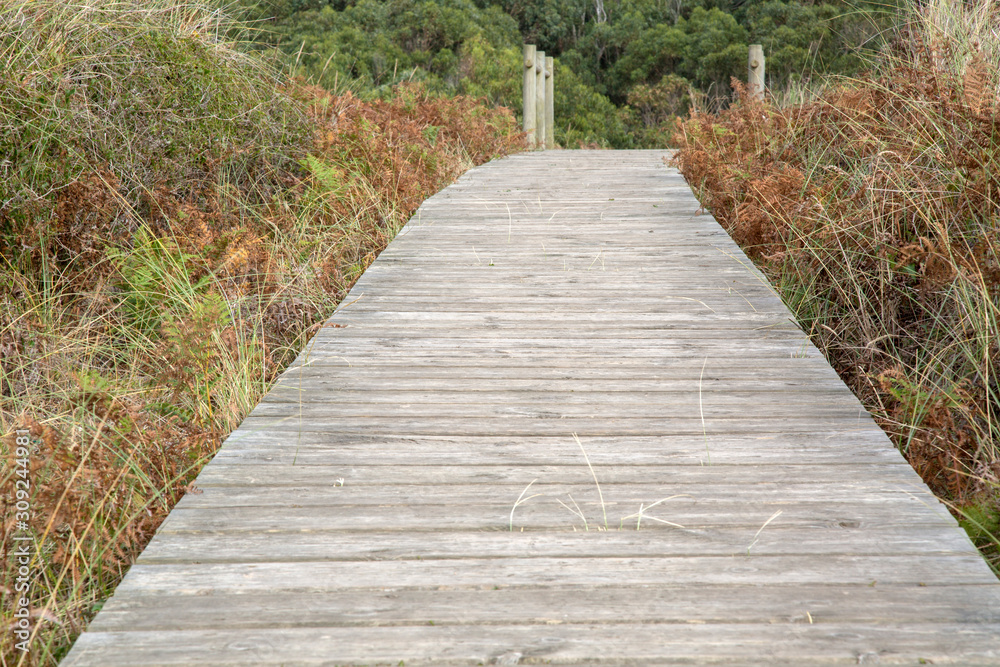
(561, 419)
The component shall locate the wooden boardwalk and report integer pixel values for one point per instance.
(419, 488)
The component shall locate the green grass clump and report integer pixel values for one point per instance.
(876, 209)
(176, 219)
(139, 94)
(982, 522)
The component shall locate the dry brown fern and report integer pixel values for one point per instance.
(974, 84)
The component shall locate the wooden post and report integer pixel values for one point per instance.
(540, 98)
(529, 93)
(755, 76)
(550, 121)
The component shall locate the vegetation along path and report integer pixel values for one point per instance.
(560, 419)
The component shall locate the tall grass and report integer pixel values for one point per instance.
(876, 209)
(176, 219)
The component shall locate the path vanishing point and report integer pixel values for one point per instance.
(560, 420)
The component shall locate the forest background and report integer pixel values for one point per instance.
(626, 68)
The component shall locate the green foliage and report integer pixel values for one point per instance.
(155, 282)
(374, 45)
(611, 52)
(137, 97)
(800, 39)
(584, 116)
(982, 523)
(655, 53)
(491, 72)
(656, 106)
(553, 25)
(190, 357)
(707, 49)
(716, 48)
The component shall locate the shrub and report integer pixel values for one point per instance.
(876, 209)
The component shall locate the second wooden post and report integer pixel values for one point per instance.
(755, 75)
(550, 121)
(529, 93)
(540, 98)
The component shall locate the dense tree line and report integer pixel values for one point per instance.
(624, 66)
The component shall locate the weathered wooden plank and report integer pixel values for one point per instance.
(727, 479)
(525, 304)
(720, 300)
(305, 397)
(634, 258)
(498, 330)
(236, 547)
(626, 320)
(550, 349)
(564, 573)
(279, 447)
(768, 341)
(682, 643)
(320, 413)
(673, 276)
(550, 423)
(527, 233)
(800, 354)
(801, 358)
(492, 514)
(392, 389)
(687, 371)
(486, 326)
(619, 500)
(599, 256)
(458, 370)
(825, 604)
